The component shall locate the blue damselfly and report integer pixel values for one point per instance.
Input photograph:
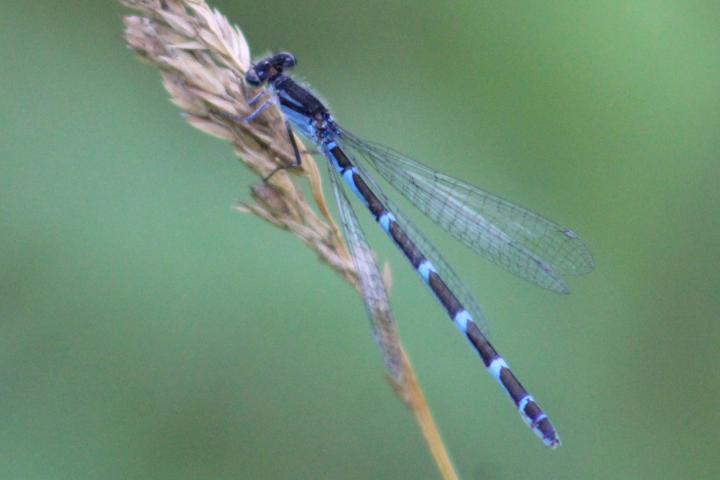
(515, 238)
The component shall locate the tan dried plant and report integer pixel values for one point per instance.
(202, 60)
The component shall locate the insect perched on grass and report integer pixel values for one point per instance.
(515, 238)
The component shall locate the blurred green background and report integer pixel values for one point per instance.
(148, 331)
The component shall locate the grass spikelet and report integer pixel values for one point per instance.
(203, 59)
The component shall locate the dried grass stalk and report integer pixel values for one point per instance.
(202, 59)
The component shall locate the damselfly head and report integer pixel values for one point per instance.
(269, 68)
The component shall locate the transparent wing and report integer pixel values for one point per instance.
(523, 242)
(370, 282)
(428, 250)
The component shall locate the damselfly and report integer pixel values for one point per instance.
(515, 238)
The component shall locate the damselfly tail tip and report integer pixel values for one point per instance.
(553, 443)
(550, 439)
(547, 433)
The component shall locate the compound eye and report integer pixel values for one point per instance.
(287, 60)
(253, 78)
